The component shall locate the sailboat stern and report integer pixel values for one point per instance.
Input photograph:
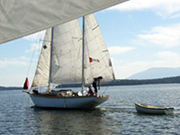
(99, 100)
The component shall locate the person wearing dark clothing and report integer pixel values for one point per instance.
(89, 91)
(95, 83)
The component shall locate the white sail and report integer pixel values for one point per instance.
(19, 18)
(66, 56)
(41, 76)
(67, 53)
(97, 59)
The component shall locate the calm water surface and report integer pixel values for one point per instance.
(116, 116)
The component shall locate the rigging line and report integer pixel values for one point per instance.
(106, 88)
(121, 103)
(31, 61)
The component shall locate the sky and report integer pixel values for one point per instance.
(140, 34)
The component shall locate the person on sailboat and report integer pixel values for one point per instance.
(90, 91)
(95, 83)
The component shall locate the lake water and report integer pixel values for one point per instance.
(116, 116)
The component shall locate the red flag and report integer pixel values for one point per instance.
(49, 90)
(26, 84)
(91, 59)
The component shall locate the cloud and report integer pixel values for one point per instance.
(167, 55)
(17, 62)
(36, 36)
(34, 47)
(14, 70)
(167, 59)
(163, 8)
(164, 36)
(15, 80)
(127, 69)
(116, 50)
(175, 16)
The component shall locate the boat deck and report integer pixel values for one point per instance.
(49, 94)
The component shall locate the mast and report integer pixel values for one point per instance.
(50, 67)
(83, 41)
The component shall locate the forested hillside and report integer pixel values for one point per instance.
(147, 81)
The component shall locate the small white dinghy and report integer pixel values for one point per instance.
(151, 109)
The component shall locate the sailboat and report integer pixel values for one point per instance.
(70, 56)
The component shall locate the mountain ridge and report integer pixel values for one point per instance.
(156, 72)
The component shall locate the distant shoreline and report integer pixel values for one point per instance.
(10, 88)
(167, 80)
(125, 82)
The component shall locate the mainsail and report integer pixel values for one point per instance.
(19, 18)
(97, 59)
(66, 56)
(67, 53)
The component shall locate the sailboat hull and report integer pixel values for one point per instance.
(68, 102)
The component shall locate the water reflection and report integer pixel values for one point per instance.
(69, 121)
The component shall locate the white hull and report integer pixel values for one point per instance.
(67, 102)
(150, 109)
